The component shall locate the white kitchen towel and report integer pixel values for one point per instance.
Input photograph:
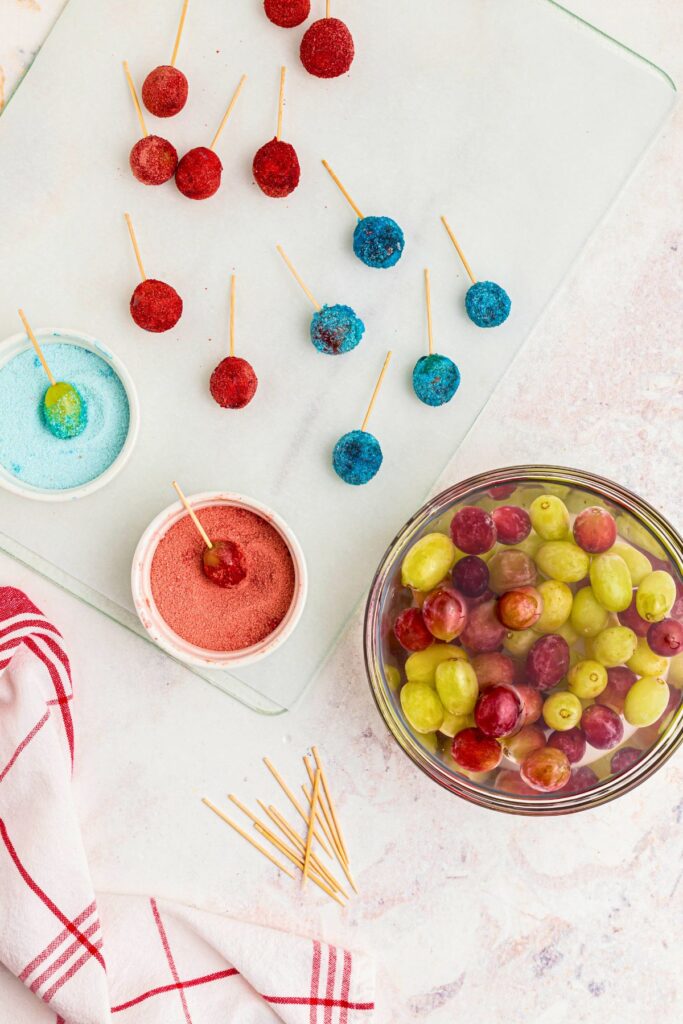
(127, 959)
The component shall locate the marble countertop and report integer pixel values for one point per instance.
(473, 916)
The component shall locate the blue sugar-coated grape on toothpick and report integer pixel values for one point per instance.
(357, 456)
(63, 410)
(334, 329)
(436, 378)
(377, 241)
(487, 303)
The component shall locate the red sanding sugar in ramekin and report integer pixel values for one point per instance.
(217, 618)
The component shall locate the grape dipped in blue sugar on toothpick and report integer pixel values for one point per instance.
(64, 411)
(436, 378)
(377, 241)
(487, 304)
(357, 456)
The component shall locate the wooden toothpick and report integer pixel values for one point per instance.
(245, 835)
(378, 385)
(343, 191)
(316, 755)
(136, 250)
(294, 802)
(327, 8)
(428, 300)
(136, 101)
(228, 112)
(297, 277)
(39, 351)
(311, 827)
(459, 251)
(280, 102)
(287, 830)
(232, 315)
(192, 514)
(179, 33)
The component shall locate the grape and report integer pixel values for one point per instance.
(656, 596)
(549, 517)
(512, 782)
(630, 617)
(410, 630)
(483, 631)
(666, 638)
(520, 609)
(562, 560)
(568, 633)
(422, 707)
(471, 576)
(513, 524)
(519, 642)
(453, 724)
(602, 726)
(445, 613)
(474, 602)
(624, 758)
(588, 617)
(500, 492)
(532, 703)
(498, 711)
(546, 770)
(619, 682)
(473, 530)
(392, 677)
(581, 780)
(572, 743)
(614, 646)
(644, 661)
(557, 605)
(547, 661)
(428, 562)
(676, 671)
(421, 666)
(493, 668)
(649, 733)
(639, 565)
(562, 711)
(595, 530)
(457, 686)
(631, 530)
(646, 700)
(476, 752)
(524, 742)
(611, 582)
(510, 569)
(587, 679)
(531, 545)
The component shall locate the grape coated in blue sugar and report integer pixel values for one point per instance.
(435, 379)
(378, 242)
(357, 457)
(487, 304)
(336, 329)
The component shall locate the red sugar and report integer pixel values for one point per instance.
(217, 618)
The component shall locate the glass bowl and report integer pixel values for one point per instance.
(639, 524)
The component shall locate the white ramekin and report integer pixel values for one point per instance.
(17, 343)
(159, 630)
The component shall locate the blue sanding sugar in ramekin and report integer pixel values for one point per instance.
(27, 448)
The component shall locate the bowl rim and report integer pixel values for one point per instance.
(543, 805)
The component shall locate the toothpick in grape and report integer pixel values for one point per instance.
(223, 561)
(198, 175)
(487, 304)
(276, 166)
(436, 378)
(65, 412)
(154, 305)
(233, 383)
(377, 241)
(164, 91)
(357, 456)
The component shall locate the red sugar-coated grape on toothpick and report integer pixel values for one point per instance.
(223, 561)
(233, 383)
(154, 305)
(287, 13)
(199, 172)
(327, 49)
(164, 91)
(276, 165)
(153, 160)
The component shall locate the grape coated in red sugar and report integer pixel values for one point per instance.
(411, 632)
(666, 638)
(603, 727)
(445, 613)
(153, 160)
(287, 13)
(471, 576)
(475, 752)
(595, 530)
(164, 91)
(572, 743)
(233, 383)
(198, 175)
(498, 711)
(547, 661)
(327, 48)
(513, 524)
(473, 530)
(224, 563)
(276, 169)
(155, 306)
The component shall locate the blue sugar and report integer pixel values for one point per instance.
(378, 242)
(336, 329)
(487, 304)
(357, 457)
(27, 448)
(435, 379)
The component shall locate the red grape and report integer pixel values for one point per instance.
(666, 638)
(499, 492)
(581, 780)
(410, 630)
(532, 703)
(633, 620)
(445, 613)
(473, 530)
(471, 576)
(224, 563)
(511, 569)
(513, 524)
(512, 782)
(547, 661)
(474, 602)
(498, 711)
(624, 758)
(493, 668)
(603, 727)
(521, 608)
(484, 631)
(475, 752)
(524, 742)
(572, 743)
(595, 530)
(546, 770)
(619, 682)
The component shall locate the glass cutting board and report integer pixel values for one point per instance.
(517, 120)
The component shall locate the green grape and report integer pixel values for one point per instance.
(631, 530)
(457, 686)
(655, 596)
(562, 711)
(392, 676)
(422, 707)
(646, 701)
(587, 679)
(644, 661)
(428, 562)
(557, 606)
(611, 582)
(614, 646)
(562, 560)
(676, 671)
(639, 565)
(568, 632)
(429, 740)
(530, 545)
(519, 642)
(549, 517)
(453, 724)
(588, 617)
(421, 666)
